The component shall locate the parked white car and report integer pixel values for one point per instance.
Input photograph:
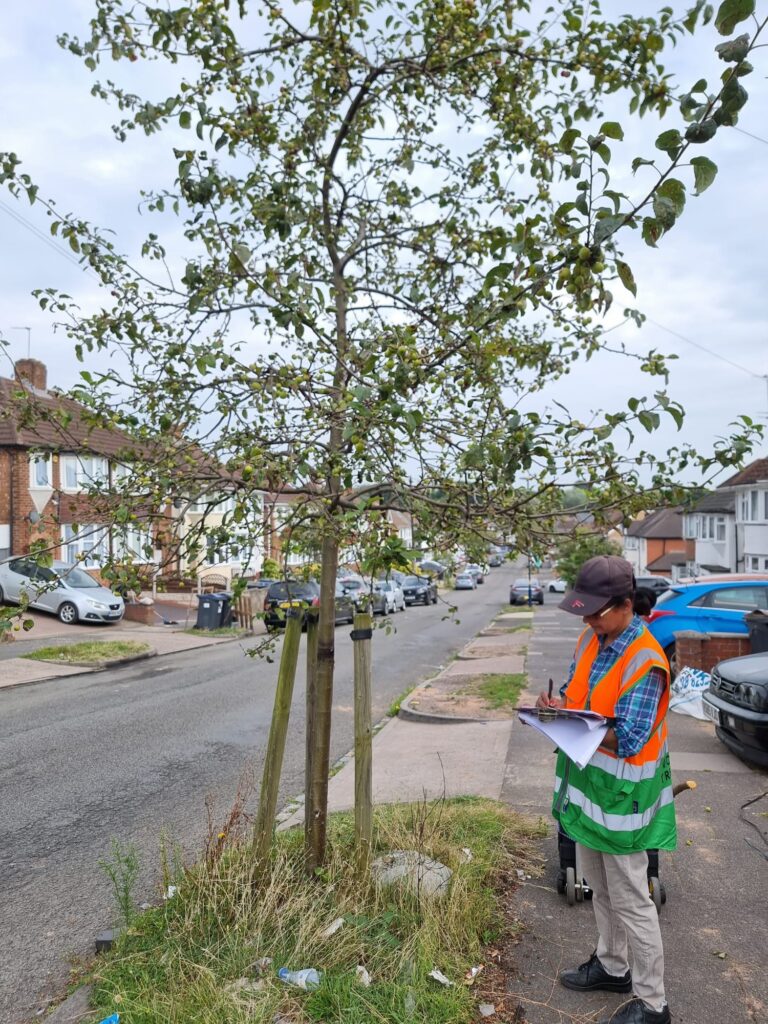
(65, 590)
(557, 586)
(465, 581)
(392, 592)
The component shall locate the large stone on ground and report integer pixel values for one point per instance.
(422, 874)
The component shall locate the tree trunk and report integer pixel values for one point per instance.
(363, 745)
(316, 802)
(273, 761)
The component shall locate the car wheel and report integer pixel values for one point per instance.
(541, 599)
(552, 589)
(671, 654)
(68, 613)
(2, 596)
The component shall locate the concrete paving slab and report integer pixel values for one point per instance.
(708, 762)
(507, 617)
(17, 671)
(482, 666)
(414, 761)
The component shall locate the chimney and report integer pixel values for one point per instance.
(33, 372)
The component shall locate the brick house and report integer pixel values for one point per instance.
(51, 452)
(657, 545)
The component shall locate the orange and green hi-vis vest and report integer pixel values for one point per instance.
(618, 804)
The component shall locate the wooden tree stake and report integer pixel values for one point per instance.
(361, 638)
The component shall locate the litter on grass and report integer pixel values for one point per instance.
(262, 965)
(439, 976)
(472, 973)
(114, 1019)
(467, 855)
(245, 987)
(486, 1009)
(306, 979)
(363, 976)
(170, 892)
(332, 928)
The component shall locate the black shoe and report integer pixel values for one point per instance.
(636, 1012)
(592, 975)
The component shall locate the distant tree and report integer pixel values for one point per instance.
(572, 552)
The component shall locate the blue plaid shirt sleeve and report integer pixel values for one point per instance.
(636, 712)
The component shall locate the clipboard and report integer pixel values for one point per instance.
(577, 733)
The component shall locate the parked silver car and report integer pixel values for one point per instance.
(465, 581)
(394, 598)
(67, 591)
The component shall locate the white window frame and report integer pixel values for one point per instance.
(720, 530)
(79, 472)
(131, 544)
(88, 546)
(34, 462)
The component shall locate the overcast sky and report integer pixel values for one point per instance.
(706, 282)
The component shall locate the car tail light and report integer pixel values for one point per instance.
(657, 614)
(315, 602)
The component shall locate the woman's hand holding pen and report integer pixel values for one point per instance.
(546, 700)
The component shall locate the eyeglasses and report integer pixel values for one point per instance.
(601, 613)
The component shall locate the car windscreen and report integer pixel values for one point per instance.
(81, 580)
(523, 584)
(411, 581)
(283, 591)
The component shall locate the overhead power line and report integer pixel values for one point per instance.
(47, 239)
(709, 351)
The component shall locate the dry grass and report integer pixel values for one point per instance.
(178, 962)
(89, 652)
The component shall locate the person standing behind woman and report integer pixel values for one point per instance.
(621, 804)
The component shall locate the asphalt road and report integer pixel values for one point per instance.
(131, 755)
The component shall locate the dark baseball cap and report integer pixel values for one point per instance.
(599, 579)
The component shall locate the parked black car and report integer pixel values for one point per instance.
(737, 702)
(518, 592)
(289, 594)
(658, 584)
(419, 590)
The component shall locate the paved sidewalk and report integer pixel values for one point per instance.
(16, 671)
(717, 886)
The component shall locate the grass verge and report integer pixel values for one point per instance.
(507, 608)
(502, 689)
(89, 652)
(185, 961)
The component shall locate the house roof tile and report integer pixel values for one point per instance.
(716, 501)
(664, 523)
(755, 472)
(665, 562)
(30, 418)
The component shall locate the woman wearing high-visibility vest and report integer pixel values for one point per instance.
(621, 803)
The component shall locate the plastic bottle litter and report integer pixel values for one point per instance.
(332, 928)
(114, 1019)
(306, 979)
(439, 976)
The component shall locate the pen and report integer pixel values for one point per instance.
(549, 692)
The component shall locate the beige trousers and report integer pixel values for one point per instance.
(625, 911)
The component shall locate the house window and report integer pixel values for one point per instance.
(212, 504)
(134, 545)
(630, 543)
(79, 472)
(720, 528)
(5, 541)
(39, 471)
(86, 544)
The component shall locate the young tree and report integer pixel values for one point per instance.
(398, 225)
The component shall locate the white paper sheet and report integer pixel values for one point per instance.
(577, 733)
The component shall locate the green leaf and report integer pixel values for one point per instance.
(730, 13)
(568, 138)
(612, 130)
(704, 172)
(185, 119)
(664, 211)
(734, 50)
(701, 132)
(640, 161)
(606, 226)
(669, 141)
(626, 276)
(674, 191)
(652, 231)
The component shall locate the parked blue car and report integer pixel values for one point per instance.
(709, 605)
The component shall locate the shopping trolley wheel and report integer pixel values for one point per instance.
(570, 886)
